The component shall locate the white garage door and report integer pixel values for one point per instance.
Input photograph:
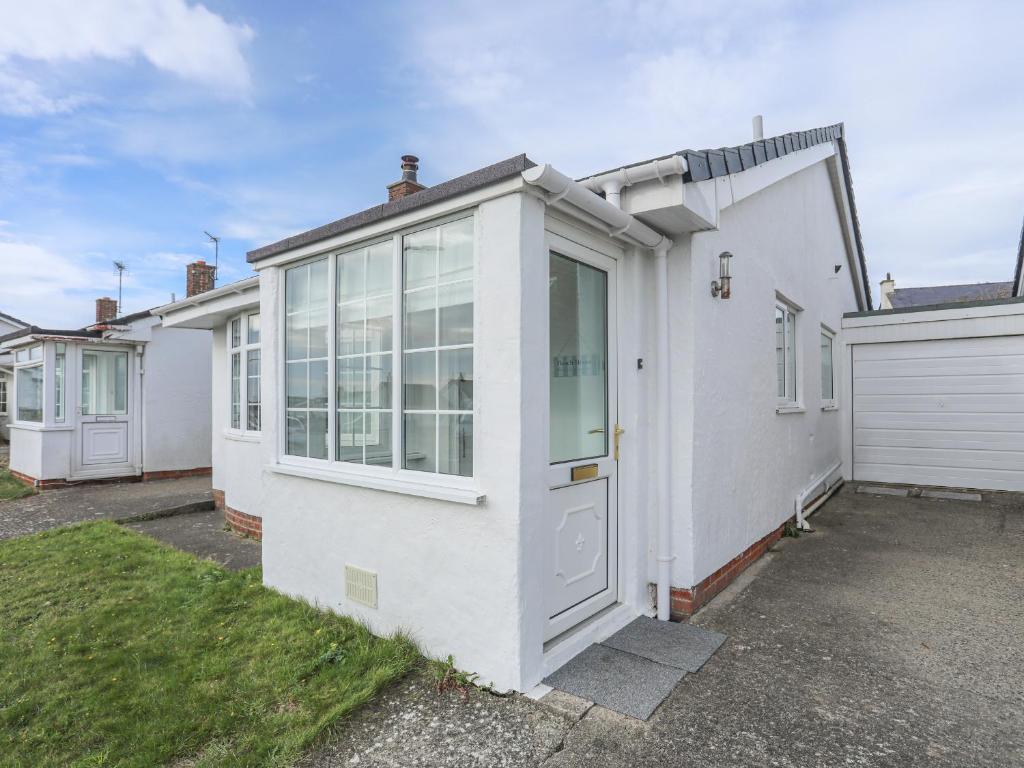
(946, 412)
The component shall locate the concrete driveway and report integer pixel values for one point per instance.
(892, 636)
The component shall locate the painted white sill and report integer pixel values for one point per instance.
(457, 494)
(242, 437)
(794, 408)
(830, 407)
(35, 427)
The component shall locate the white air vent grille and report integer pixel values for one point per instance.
(361, 586)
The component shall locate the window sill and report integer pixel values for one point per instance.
(830, 407)
(35, 427)
(457, 494)
(790, 409)
(242, 437)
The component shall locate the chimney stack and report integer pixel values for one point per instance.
(887, 287)
(199, 277)
(407, 185)
(106, 310)
(758, 126)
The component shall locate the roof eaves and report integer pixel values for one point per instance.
(34, 330)
(12, 319)
(443, 191)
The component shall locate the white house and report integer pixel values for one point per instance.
(123, 398)
(513, 411)
(8, 324)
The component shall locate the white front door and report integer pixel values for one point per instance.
(581, 515)
(104, 435)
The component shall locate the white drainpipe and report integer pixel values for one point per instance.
(623, 225)
(801, 499)
(661, 170)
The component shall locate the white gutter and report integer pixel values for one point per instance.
(822, 479)
(623, 225)
(612, 182)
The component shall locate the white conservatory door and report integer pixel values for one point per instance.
(103, 438)
(582, 508)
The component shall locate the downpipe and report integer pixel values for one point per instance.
(801, 513)
(664, 405)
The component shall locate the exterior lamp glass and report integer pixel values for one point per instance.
(722, 287)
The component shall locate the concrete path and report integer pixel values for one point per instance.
(111, 501)
(892, 636)
(203, 534)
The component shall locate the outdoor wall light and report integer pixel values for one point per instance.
(722, 287)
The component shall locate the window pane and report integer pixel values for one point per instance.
(420, 319)
(58, 401)
(297, 333)
(378, 437)
(378, 324)
(351, 275)
(236, 332)
(456, 259)
(318, 333)
(378, 269)
(318, 384)
(104, 383)
(351, 322)
(350, 436)
(420, 256)
(578, 344)
(420, 385)
(455, 452)
(790, 356)
(455, 314)
(350, 382)
(236, 390)
(297, 433)
(780, 355)
(420, 441)
(3, 396)
(455, 376)
(296, 385)
(297, 290)
(378, 381)
(254, 329)
(29, 389)
(318, 289)
(318, 434)
(252, 392)
(35, 353)
(827, 386)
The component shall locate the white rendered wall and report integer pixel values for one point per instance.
(448, 573)
(747, 463)
(176, 400)
(27, 452)
(237, 459)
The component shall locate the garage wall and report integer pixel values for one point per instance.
(938, 396)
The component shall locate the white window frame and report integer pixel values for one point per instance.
(243, 352)
(395, 477)
(832, 403)
(25, 358)
(3, 397)
(791, 401)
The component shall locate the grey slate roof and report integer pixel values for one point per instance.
(12, 319)
(34, 330)
(457, 186)
(946, 294)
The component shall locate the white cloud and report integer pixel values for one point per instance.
(188, 41)
(931, 108)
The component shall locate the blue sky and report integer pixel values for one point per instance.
(127, 128)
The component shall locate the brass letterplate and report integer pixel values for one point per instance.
(584, 472)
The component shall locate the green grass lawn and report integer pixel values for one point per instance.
(118, 651)
(12, 488)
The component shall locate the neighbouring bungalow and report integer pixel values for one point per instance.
(124, 398)
(511, 412)
(8, 324)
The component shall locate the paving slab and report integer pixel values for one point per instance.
(203, 535)
(881, 490)
(623, 682)
(951, 495)
(103, 501)
(677, 644)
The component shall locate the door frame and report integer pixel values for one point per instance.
(559, 475)
(80, 470)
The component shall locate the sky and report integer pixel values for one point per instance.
(127, 128)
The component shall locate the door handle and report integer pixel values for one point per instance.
(618, 431)
(596, 431)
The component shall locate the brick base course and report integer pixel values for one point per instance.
(246, 525)
(174, 474)
(686, 602)
(144, 477)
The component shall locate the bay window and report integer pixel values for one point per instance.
(244, 346)
(400, 391)
(28, 389)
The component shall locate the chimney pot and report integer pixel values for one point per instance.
(408, 184)
(199, 277)
(106, 309)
